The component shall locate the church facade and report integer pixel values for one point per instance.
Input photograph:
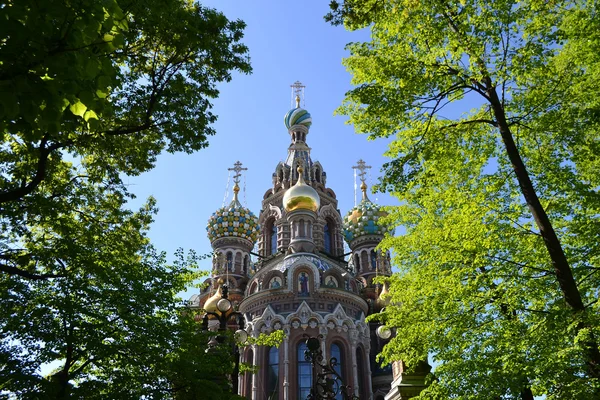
(301, 281)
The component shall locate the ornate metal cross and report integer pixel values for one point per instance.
(297, 93)
(237, 167)
(362, 167)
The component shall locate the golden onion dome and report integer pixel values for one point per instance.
(301, 196)
(211, 303)
(384, 297)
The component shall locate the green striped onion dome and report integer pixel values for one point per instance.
(297, 116)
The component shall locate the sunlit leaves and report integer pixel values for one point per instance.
(476, 289)
(91, 91)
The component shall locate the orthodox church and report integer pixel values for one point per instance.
(299, 279)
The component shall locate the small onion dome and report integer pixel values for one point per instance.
(297, 116)
(363, 219)
(301, 196)
(211, 302)
(384, 297)
(233, 221)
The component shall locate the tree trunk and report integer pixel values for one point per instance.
(561, 266)
(526, 394)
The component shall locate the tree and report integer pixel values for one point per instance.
(111, 324)
(500, 201)
(91, 91)
(110, 84)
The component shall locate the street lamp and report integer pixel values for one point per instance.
(326, 382)
(384, 332)
(224, 313)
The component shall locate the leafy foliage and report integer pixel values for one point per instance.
(494, 107)
(91, 91)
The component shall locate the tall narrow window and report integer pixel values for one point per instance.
(357, 262)
(237, 265)
(273, 238)
(273, 374)
(230, 261)
(304, 372)
(336, 352)
(246, 264)
(327, 238)
(373, 259)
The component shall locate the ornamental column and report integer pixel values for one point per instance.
(286, 363)
(353, 346)
(254, 375)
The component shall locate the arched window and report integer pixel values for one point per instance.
(273, 374)
(373, 259)
(360, 364)
(336, 352)
(230, 261)
(327, 238)
(273, 238)
(246, 264)
(304, 372)
(364, 260)
(357, 262)
(238, 262)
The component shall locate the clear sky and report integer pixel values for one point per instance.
(288, 41)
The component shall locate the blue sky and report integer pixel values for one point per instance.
(287, 42)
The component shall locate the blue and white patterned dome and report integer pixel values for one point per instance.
(233, 221)
(297, 116)
(363, 220)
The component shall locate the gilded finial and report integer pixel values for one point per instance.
(363, 187)
(236, 190)
(297, 101)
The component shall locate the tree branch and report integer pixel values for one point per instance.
(40, 175)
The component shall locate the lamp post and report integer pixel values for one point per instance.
(326, 382)
(223, 314)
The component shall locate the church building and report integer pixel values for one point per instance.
(286, 269)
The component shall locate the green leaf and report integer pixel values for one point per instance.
(78, 108)
(90, 114)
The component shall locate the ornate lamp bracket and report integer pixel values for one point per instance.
(326, 382)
